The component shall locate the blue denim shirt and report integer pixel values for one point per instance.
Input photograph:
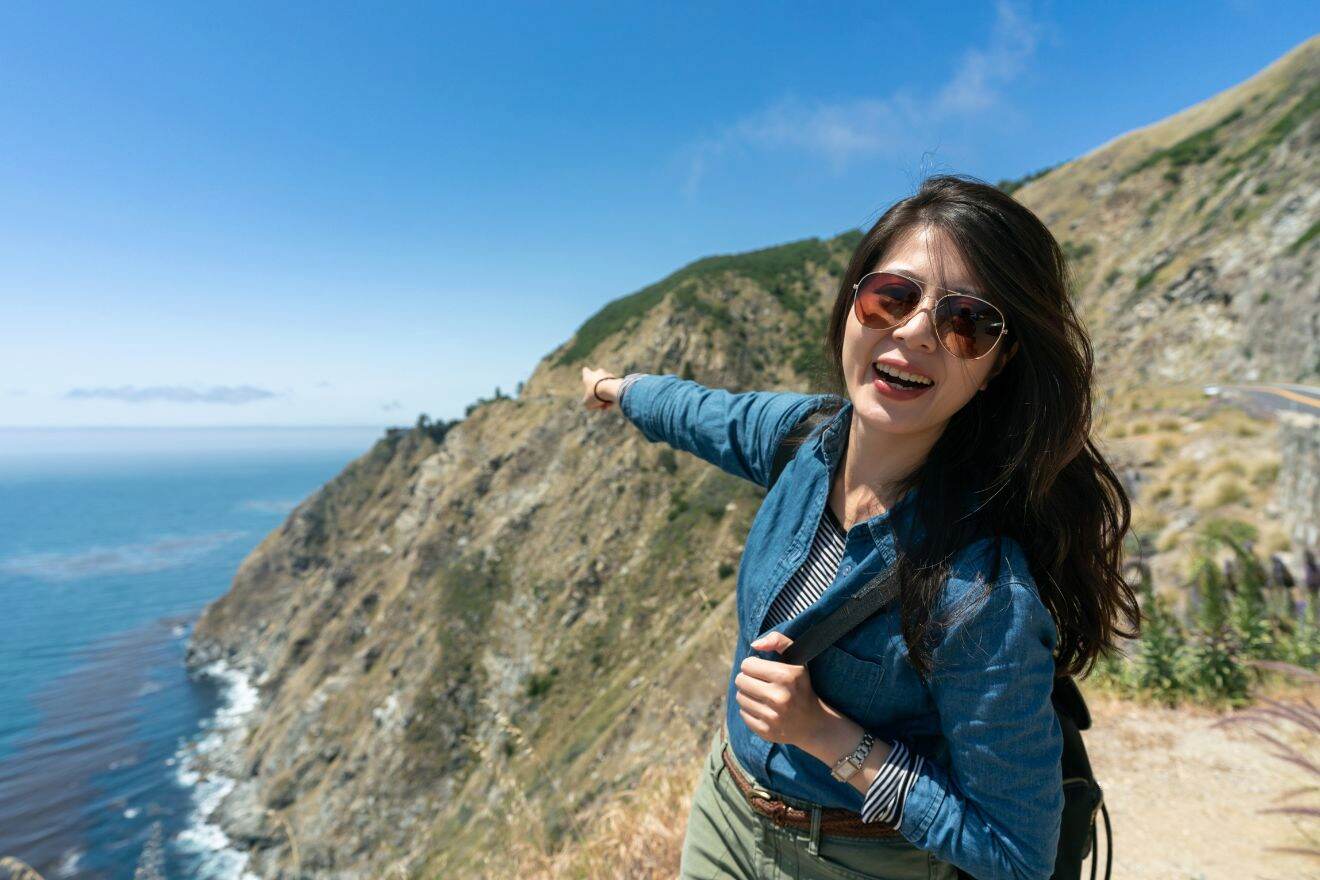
(989, 798)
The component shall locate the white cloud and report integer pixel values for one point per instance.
(229, 394)
(975, 84)
(893, 125)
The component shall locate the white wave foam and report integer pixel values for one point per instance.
(69, 862)
(204, 840)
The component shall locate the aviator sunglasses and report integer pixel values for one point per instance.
(968, 327)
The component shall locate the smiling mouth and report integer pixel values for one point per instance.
(895, 381)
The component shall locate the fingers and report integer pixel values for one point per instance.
(752, 709)
(768, 692)
(772, 641)
(769, 670)
(589, 398)
(590, 376)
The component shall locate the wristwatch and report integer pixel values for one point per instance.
(850, 763)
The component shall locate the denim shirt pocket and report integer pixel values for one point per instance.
(846, 682)
(897, 702)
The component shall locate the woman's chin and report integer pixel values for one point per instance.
(876, 411)
(896, 417)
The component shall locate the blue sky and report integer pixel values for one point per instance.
(334, 214)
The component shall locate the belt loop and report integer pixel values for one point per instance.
(813, 843)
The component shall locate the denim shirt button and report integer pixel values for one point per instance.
(845, 568)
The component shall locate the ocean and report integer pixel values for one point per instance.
(112, 541)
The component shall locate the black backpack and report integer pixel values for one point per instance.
(1082, 795)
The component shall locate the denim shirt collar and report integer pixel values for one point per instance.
(883, 527)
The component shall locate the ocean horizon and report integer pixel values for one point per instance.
(112, 542)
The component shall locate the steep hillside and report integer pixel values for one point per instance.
(1194, 238)
(516, 614)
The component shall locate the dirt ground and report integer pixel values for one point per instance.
(1185, 798)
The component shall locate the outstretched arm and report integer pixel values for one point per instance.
(737, 432)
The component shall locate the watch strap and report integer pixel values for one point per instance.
(852, 762)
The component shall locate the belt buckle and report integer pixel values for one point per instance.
(754, 790)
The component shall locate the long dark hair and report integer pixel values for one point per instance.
(1022, 446)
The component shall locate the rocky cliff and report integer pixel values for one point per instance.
(515, 614)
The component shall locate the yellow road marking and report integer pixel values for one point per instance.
(1312, 402)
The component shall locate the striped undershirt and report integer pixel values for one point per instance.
(888, 791)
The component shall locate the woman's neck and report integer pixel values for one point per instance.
(873, 463)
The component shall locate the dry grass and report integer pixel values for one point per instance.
(1218, 492)
(1292, 727)
(1146, 521)
(1168, 445)
(1185, 469)
(637, 834)
(1226, 466)
(1265, 473)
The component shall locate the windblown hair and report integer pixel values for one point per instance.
(1022, 446)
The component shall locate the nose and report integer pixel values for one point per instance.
(918, 330)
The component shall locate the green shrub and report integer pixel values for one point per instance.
(1215, 670)
(1012, 186)
(1305, 237)
(1212, 657)
(1158, 666)
(1194, 149)
(781, 269)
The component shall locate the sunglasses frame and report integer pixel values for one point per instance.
(931, 309)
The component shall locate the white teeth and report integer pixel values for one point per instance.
(911, 377)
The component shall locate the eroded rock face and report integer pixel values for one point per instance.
(1299, 477)
(486, 626)
(1198, 286)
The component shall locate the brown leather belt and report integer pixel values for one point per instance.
(833, 820)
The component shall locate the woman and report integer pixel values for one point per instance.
(955, 462)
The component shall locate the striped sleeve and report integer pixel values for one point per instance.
(888, 791)
(627, 380)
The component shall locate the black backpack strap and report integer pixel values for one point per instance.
(1068, 700)
(858, 607)
(785, 450)
(841, 621)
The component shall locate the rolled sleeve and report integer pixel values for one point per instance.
(625, 382)
(737, 432)
(887, 794)
(996, 811)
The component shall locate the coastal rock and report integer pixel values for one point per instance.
(246, 822)
(13, 869)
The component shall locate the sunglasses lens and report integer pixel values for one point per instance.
(884, 300)
(968, 326)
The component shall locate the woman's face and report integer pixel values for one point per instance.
(917, 255)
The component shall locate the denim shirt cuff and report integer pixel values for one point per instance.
(632, 404)
(923, 802)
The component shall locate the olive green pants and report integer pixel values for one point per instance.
(726, 838)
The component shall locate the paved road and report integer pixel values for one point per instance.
(1270, 398)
